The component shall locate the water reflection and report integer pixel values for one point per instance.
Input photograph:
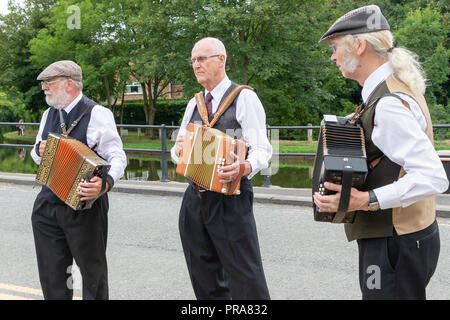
(22, 153)
(295, 174)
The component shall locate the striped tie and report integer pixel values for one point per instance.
(208, 102)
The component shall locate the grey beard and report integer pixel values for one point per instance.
(57, 102)
(350, 63)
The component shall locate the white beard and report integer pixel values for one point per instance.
(350, 63)
(58, 100)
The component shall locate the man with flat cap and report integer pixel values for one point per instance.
(62, 234)
(395, 224)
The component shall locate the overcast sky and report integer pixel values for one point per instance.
(4, 5)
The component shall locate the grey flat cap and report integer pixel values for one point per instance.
(64, 68)
(362, 20)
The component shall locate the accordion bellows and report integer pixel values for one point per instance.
(341, 159)
(205, 151)
(65, 163)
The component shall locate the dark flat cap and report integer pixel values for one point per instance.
(362, 20)
(64, 68)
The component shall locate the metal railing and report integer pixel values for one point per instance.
(164, 150)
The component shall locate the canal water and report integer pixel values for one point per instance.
(287, 172)
(291, 173)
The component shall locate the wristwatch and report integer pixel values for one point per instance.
(373, 202)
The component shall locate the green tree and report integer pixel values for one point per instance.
(90, 42)
(156, 54)
(18, 76)
(422, 32)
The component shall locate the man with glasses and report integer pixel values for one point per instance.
(395, 223)
(61, 234)
(217, 231)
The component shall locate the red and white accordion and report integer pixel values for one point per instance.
(65, 163)
(205, 151)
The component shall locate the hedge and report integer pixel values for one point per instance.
(168, 111)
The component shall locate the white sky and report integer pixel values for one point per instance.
(4, 5)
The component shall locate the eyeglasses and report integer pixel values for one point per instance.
(333, 48)
(334, 45)
(201, 59)
(48, 83)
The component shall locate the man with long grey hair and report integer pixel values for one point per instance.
(395, 224)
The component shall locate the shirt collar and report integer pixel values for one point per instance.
(378, 76)
(73, 103)
(220, 89)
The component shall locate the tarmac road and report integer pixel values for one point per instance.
(303, 259)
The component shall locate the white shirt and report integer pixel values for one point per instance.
(399, 133)
(249, 114)
(102, 132)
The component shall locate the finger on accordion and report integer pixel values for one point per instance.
(332, 186)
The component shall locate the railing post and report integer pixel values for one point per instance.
(164, 168)
(310, 133)
(267, 171)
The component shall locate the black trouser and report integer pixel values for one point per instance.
(61, 235)
(398, 267)
(220, 244)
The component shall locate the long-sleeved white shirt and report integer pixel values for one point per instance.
(249, 114)
(399, 133)
(101, 132)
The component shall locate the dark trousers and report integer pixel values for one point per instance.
(220, 244)
(398, 267)
(61, 235)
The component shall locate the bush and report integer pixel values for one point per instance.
(168, 111)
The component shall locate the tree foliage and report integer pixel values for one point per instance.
(271, 45)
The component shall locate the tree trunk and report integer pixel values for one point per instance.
(108, 93)
(121, 107)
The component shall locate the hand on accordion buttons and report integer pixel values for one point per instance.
(90, 190)
(330, 203)
(230, 172)
(42, 147)
(179, 144)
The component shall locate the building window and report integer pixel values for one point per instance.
(133, 88)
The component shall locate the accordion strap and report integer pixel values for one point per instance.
(201, 105)
(74, 123)
(347, 174)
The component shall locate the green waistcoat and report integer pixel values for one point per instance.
(374, 224)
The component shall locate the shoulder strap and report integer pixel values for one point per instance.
(363, 108)
(201, 106)
(73, 125)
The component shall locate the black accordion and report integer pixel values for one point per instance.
(340, 159)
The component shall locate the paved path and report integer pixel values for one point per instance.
(303, 259)
(276, 195)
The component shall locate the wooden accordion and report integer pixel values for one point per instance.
(65, 163)
(341, 159)
(205, 151)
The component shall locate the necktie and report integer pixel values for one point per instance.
(64, 113)
(208, 102)
(63, 117)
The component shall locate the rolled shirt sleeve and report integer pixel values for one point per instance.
(103, 138)
(251, 116)
(399, 133)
